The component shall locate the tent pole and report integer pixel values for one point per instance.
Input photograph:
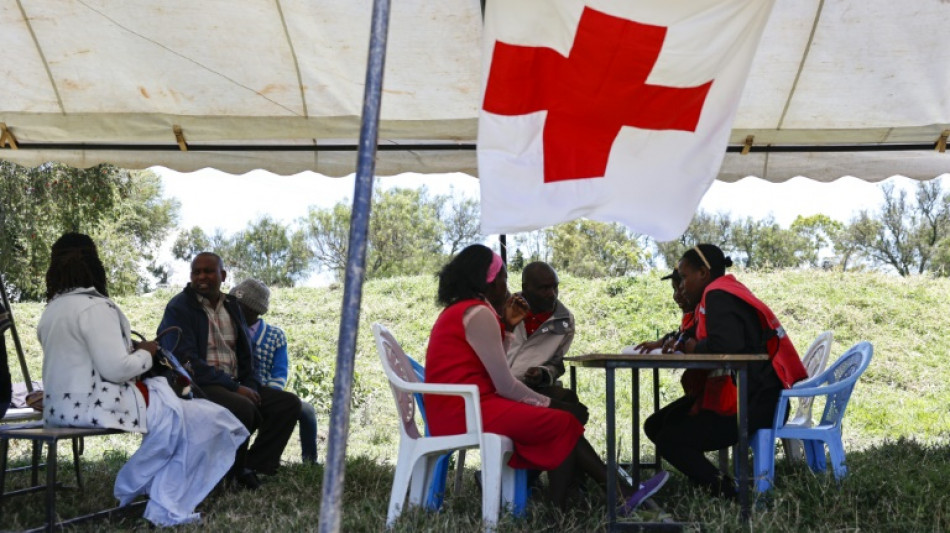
(16, 336)
(332, 497)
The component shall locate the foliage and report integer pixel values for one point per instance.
(765, 244)
(819, 233)
(704, 228)
(409, 232)
(122, 210)
(594, 249)
(904, 235)
(896, 428)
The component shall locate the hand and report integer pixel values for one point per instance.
(647, 346)
(250, 394)
(687, 346)
(149, 346)
(534, 376)
(515, 310)
(579, 410)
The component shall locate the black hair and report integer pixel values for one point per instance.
(464, 276)
(209, 254)
(74, 263)
(718, 262)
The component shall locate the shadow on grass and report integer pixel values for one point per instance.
(895, 486)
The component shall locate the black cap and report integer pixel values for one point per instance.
(675, 276)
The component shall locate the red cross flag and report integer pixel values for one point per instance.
(616, 111)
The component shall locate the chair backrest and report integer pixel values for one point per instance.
(399, 370)
(842, 375)
(814, 361)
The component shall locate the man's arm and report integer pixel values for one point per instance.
(187, 349)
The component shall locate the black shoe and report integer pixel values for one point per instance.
(248, 480)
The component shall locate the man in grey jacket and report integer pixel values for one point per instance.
(540, 341)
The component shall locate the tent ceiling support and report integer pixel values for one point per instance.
(748, 145)
(942, 141)
(7, 138)
(180, 138)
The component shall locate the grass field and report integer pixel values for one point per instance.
(897, 429)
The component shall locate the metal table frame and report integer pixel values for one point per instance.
(611, 362)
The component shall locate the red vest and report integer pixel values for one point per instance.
(719, 392)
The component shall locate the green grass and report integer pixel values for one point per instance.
(897, 429)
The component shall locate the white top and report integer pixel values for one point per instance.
(89, 366)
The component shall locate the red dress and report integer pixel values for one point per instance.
(543, 437)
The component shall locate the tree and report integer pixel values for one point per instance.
(765, 244)
(594, 249)
(903, 234)
(270, 252)
(459, 222)
(405, 234)
(821, 233)
(704, 228)
(122, 210)
(327, 232)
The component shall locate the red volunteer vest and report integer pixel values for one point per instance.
(718, 391)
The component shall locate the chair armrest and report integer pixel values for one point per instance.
(468, 393)
(822, 390)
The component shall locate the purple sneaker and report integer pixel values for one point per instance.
(647, 488)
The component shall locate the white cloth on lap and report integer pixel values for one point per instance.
(189, 447)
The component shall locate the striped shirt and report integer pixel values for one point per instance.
(221, 337)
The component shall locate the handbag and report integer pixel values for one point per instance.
(166, 365)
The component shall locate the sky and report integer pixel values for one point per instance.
(212, 199)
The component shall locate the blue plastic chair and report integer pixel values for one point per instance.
(835, 384)
(436, 494)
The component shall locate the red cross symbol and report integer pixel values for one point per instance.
(589, 95)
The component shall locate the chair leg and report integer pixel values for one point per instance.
(763, 453)
(77, 466)
(435, 495)
(724, 460)
(420, 482)
(401, 480)
(35, 465)
(794, 450)
(459, 470)
(4, 448)
(492, 465)
(836, 452)
(815, 454)
(50, 485)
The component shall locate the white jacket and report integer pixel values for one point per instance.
(89, 367)
(545, 348)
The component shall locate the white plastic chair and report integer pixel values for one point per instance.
(814, 360)
(418, 454)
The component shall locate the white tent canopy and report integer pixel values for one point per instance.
(279, 86)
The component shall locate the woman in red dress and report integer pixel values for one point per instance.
(466, 346)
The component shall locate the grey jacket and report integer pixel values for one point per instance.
(545, 348)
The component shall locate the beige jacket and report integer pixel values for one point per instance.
(546, 348)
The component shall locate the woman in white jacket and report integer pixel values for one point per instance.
(90, 377)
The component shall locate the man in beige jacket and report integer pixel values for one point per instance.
(540, 341)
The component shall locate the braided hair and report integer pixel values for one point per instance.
(74, 263)
(711, 257)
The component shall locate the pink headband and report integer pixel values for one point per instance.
(494, 268)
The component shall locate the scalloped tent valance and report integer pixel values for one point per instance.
(848, 87)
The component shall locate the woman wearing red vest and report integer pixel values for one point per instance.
(466, 346)
(729, 319)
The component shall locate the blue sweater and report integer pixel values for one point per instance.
(270, 354)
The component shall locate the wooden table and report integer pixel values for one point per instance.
(611, 362)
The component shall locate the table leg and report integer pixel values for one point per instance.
(635, 433)
(611, 450)
(656, 407)
(742, 448)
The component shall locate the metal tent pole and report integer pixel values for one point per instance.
(16, 336)
(332, 497)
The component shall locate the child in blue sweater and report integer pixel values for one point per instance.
(270, 354)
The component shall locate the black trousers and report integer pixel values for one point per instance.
(274, 420)
(682, 439)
